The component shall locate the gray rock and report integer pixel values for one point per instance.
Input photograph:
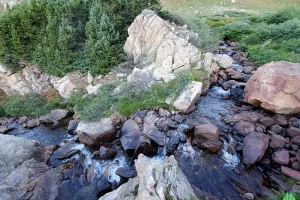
(22, 120)
(188, 97)
(4, 129)
(164, 113)
(54, 116)
(24, 171)
(32, 123)
(157, 180)
(267, 121)
(130, 134)
(154, 134)
(73, 124)
(255, 145)
(140, 77)
(173, 143)
(95, 134)
(276, 129)
(107, 152)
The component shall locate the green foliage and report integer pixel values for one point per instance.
(267, 38)
(128, 98)
(63, 35)
(28, 105)
(289, 180)
(283, 195)
(207, 39)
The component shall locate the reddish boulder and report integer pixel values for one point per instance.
(255, 145)
(275, 87)
(206, 136)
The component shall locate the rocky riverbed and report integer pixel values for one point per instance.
(224, 141)
(224, 148)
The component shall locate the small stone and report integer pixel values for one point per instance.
(298, 155)
(281, 120)
(72, 126)
(32, 123)
(295, 147)
(276, 128)
(179, 119)
(295, 140)
(243, 128)
(277, 141)
(249, 196)
(296, 166)
(138, 120)
(164, 113)
(248, 70)
(267, 121)
(22, 120)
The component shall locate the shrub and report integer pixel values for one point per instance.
(29, 105)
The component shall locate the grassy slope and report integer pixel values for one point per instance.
(190, 8)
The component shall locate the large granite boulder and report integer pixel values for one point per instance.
(275, 87)
(155, 179)
(54, 116)
(24, 173)
(95, 134)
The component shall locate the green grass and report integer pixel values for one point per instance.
(191, 8)
(130, 98)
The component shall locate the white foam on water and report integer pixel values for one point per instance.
(232, 160)
(187, 150)
(110, 167)
(219, 91)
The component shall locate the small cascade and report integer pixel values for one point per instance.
(232, 160)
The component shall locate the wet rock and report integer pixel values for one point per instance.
(164, 113)
(255, 145)
(107, 152)
(155, 180)
(4, 129)
(276, 129)
(277, 141)
(237, 93)
(144, 146)
(173, 144)
(281, 120)
(95, 134)
(293, 131)
(32, 123)
(22, 120)
(154, 134)
(188, 97)
(206, 136)
(290, 172)
(126, 172)
(103, 187)
(267, 121)
(228, 84)
(281, 157)
(274, 83)
(73, 124)
(130, 135)
(243, 128)
(179, 119)
(54, 116)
